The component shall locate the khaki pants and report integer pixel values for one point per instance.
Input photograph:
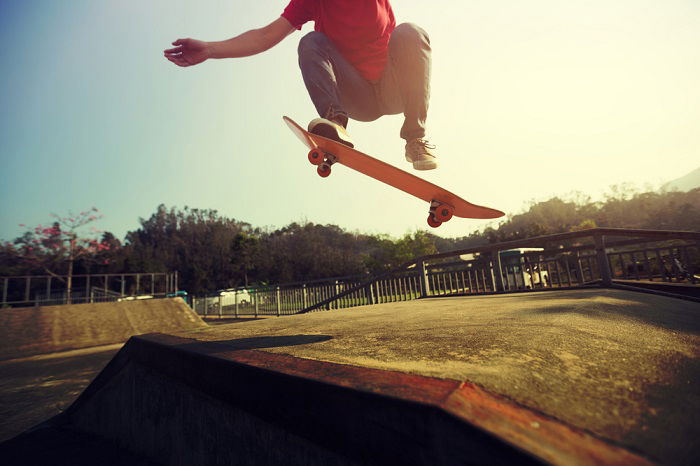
(337, 89)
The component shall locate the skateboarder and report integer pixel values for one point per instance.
(356, 64)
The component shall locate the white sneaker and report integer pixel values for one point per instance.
(420, 154)
(330, 130)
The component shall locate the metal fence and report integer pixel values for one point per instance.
(287, 299)
(274, 300)
(49, 290)
(595, 257)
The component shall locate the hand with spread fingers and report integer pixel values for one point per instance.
(188, 52)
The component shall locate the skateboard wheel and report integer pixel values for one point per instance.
(443, 213)
(323, 170)
(315, 157)
(433, 222)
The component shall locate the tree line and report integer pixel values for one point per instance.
(213, 252)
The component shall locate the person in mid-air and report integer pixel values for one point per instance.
(356, 64)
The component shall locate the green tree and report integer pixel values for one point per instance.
(197, 243)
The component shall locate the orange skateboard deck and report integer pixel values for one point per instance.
(443, 204)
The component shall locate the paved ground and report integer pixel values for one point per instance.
(33, 389)
(40, 372)
(622, 365)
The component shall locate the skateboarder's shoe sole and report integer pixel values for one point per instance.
(419, 153)
(425, 164)
(331, 130)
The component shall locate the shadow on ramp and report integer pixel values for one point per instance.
(256, 343)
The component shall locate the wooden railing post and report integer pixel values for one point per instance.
(579, 268)
(279, 304)
(369, 294)
(424, 283)
(336, 290)
(603, 263)
(497, 269)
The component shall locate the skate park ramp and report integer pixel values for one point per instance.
(49, 329)
(594, 376)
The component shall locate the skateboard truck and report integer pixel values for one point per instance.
(323, 161)
(439, 213)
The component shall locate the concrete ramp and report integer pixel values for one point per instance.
(574, 377)
(49, 329)
(180, 401)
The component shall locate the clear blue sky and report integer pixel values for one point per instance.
(530, 100)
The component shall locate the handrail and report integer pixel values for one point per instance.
(84, 275)
(591, 232)
(274, 286)
(75, 288)
(597, 234)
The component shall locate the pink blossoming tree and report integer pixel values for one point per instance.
(59, 245)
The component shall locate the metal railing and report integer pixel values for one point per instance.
(49, 290)
(274, 300)
(588, 258)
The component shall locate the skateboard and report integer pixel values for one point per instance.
(443, 205)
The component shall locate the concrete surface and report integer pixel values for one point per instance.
(38, 330)
(35, 388)
(622, 365)
(586, 377)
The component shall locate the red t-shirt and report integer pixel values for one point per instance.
(360, 29)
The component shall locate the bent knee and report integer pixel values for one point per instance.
(314, 40)
(411, 32)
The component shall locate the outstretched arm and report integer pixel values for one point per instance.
(188, 52)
